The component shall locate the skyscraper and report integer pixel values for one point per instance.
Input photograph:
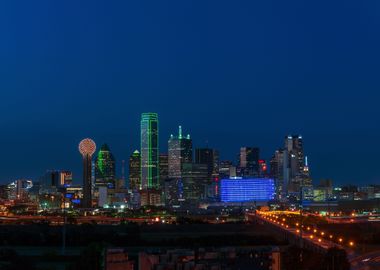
(279, 171)
(210, 157)
(195, 181)
(149, 151)
(134, 171)
(87, 148)
(249, 161)
(105, 172)
(180, 152)
(164, 167)
(299, 175)
(294, 146)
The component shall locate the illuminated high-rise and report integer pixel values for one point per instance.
(149, 151)
(279, 171)
(294, 146)
(87, 148)
(134, 171)
(249, 161)
(210, 157)
(105, 168)
(299, 175)
(195, 180)
(180, 152)
(163, 169)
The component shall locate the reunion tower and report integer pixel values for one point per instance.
(87, 148)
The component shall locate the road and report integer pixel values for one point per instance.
(369, 261)
(308, 237)
(58, 220)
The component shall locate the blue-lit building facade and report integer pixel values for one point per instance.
(247, 189)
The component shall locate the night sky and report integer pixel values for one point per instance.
(233, 73)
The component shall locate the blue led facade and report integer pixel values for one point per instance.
(244, 190)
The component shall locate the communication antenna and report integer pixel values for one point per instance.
(123, 169)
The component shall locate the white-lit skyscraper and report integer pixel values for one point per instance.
(180, 152)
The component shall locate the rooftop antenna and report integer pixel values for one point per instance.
(180, 132)
(123, 169)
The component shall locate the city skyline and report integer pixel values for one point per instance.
(233, 74)
(164, 149)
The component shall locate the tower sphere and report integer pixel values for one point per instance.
(87, 147)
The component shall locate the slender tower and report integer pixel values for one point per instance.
(87, 148)
(149, 151)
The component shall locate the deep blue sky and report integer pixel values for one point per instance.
(231, 72)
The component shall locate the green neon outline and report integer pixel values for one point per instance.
(147, 120)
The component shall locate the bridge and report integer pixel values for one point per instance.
(317, 242)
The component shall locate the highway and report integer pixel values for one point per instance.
(317, 239)
(367, 261)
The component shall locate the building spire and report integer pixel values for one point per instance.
(123, 169)
(180, 132)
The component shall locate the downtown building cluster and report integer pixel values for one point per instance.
(186, 177)
(181, 177)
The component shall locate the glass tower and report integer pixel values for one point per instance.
(149, 151)
(105, 168)
(249, 161)
(134, 171)
(180, 152)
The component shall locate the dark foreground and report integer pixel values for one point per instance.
(252, 245)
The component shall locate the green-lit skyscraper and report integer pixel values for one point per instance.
(149, 151)
(105, 168)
